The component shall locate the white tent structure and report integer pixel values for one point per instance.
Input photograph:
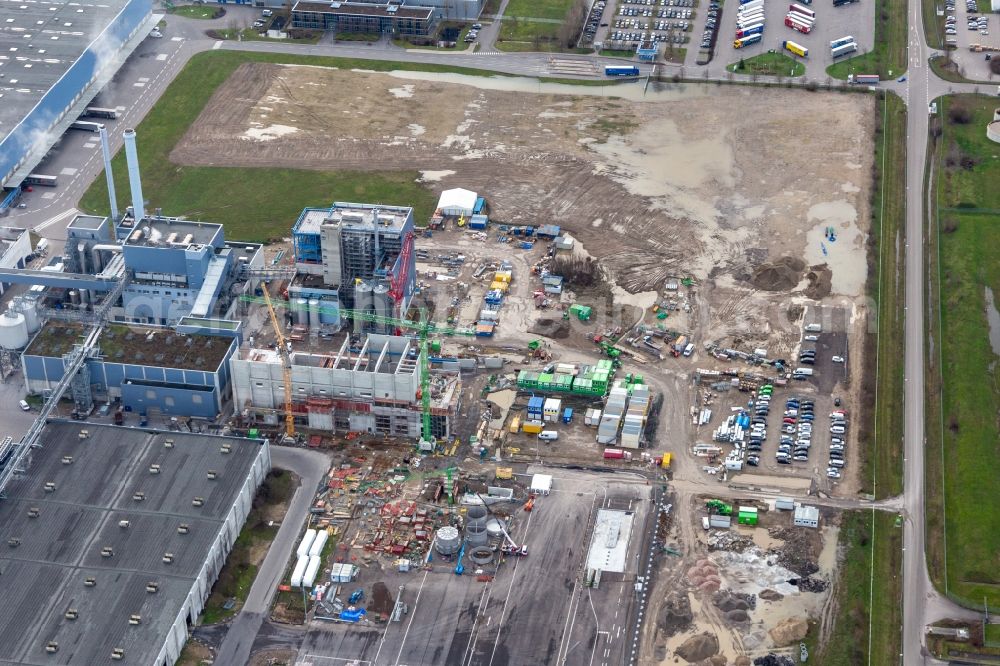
(457, 202)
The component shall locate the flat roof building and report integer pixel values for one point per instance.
(372, 388)
(54, 58)
(362, 17)
(103, 555)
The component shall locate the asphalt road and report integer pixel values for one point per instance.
(157, 62)
(310, 466)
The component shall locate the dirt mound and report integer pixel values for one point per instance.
(742, 661)
(730, 601)
(820, 280)
(705, 576)
(675, 614)
(799, 551)
(773, 660)
(779, 275)
(737, 617)
(788, 631)
(771, 595)
(557, 329)
(698, 648)
(717, 660)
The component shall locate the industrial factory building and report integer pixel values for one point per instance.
(374, 388)
(15, 246)
(114, 538)
(360, 255)
(57, 57)
(362, 17)
(182, 371)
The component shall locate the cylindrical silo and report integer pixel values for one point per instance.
(29, 308)
(494, 528)
(476, 512)
(362, 303)
(13, 331)
(329, 312)
(382, 301)
(475, 533)
(314, 313)
(74, 296)
(447, 541)
(299, 311)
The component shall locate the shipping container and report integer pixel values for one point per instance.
(533, 427)
(797, 49)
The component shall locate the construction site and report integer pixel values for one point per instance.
(547, 409)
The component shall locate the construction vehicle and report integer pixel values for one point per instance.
(719, 507)
(530, 504)
(423, 329)
(286, 364)
(511, 547)
(356, 596)
(460, 568)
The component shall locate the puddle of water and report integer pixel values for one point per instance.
(415, 129)
(269, 133)
(993, 317)
(403, 91)
(434, 176)
(631, 91)
(845, 256)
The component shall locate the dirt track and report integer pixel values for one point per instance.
(708, 181)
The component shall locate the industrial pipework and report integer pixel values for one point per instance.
(132, 158)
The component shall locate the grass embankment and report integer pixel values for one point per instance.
(857, 607)
(888, 58)
(251, 546)
(541, 25)
(617, 53)
(768, 64)
(197, 11)
(251, 35)
(431, 44)
(882, 455)
(253, 203)
(962, 381)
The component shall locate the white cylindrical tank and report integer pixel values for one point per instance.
(29, 308)
(306, 543)
(382, 300)
(299, 311)
(313, 313)
(13, 331)
(447, 541)
(309, 577)
(317, 545)
(74, 297)
(362, 303)
(494, 527)
(299, 571)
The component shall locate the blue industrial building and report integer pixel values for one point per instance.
(360, 254)
(62, 69)
(146, 369)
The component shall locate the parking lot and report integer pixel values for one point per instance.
(661, 21)
(968, 28)
(856, 19)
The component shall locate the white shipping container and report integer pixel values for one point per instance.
(306, 543)
(299, 571)
(317, 545)
(491, 315)
(312, 568)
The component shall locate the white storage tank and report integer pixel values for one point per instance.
(318, 543)
(312, 568)
(299, 571)
(382, 300)
(329, 311)
(447, 541)
(313, 313)
(494, 528)
(306, 543)
(299, 314)
(13, 331)
(29, 308)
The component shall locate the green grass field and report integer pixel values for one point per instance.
(883, 453)
(964, 400)
(239, 571)
(856, 605)
(197, 11)
(519, 33)
(253, 203)
(768, 64)
(888, 58)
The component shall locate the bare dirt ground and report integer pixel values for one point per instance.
(703, 181)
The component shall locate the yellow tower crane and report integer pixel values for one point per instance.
(286, 365)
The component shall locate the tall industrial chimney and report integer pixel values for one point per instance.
(106, 150)
(132, 158)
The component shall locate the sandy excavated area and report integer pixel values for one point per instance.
(703, 180)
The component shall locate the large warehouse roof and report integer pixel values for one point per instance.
(55, 55)
(61, 530)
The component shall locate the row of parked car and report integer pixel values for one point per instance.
(796, 431)
(838, 443)
(758, 424)
(711, 25)
(594, 20)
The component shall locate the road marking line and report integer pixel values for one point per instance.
(55, 219)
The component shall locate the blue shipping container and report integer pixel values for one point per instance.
(567, 415)
(527, 245)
